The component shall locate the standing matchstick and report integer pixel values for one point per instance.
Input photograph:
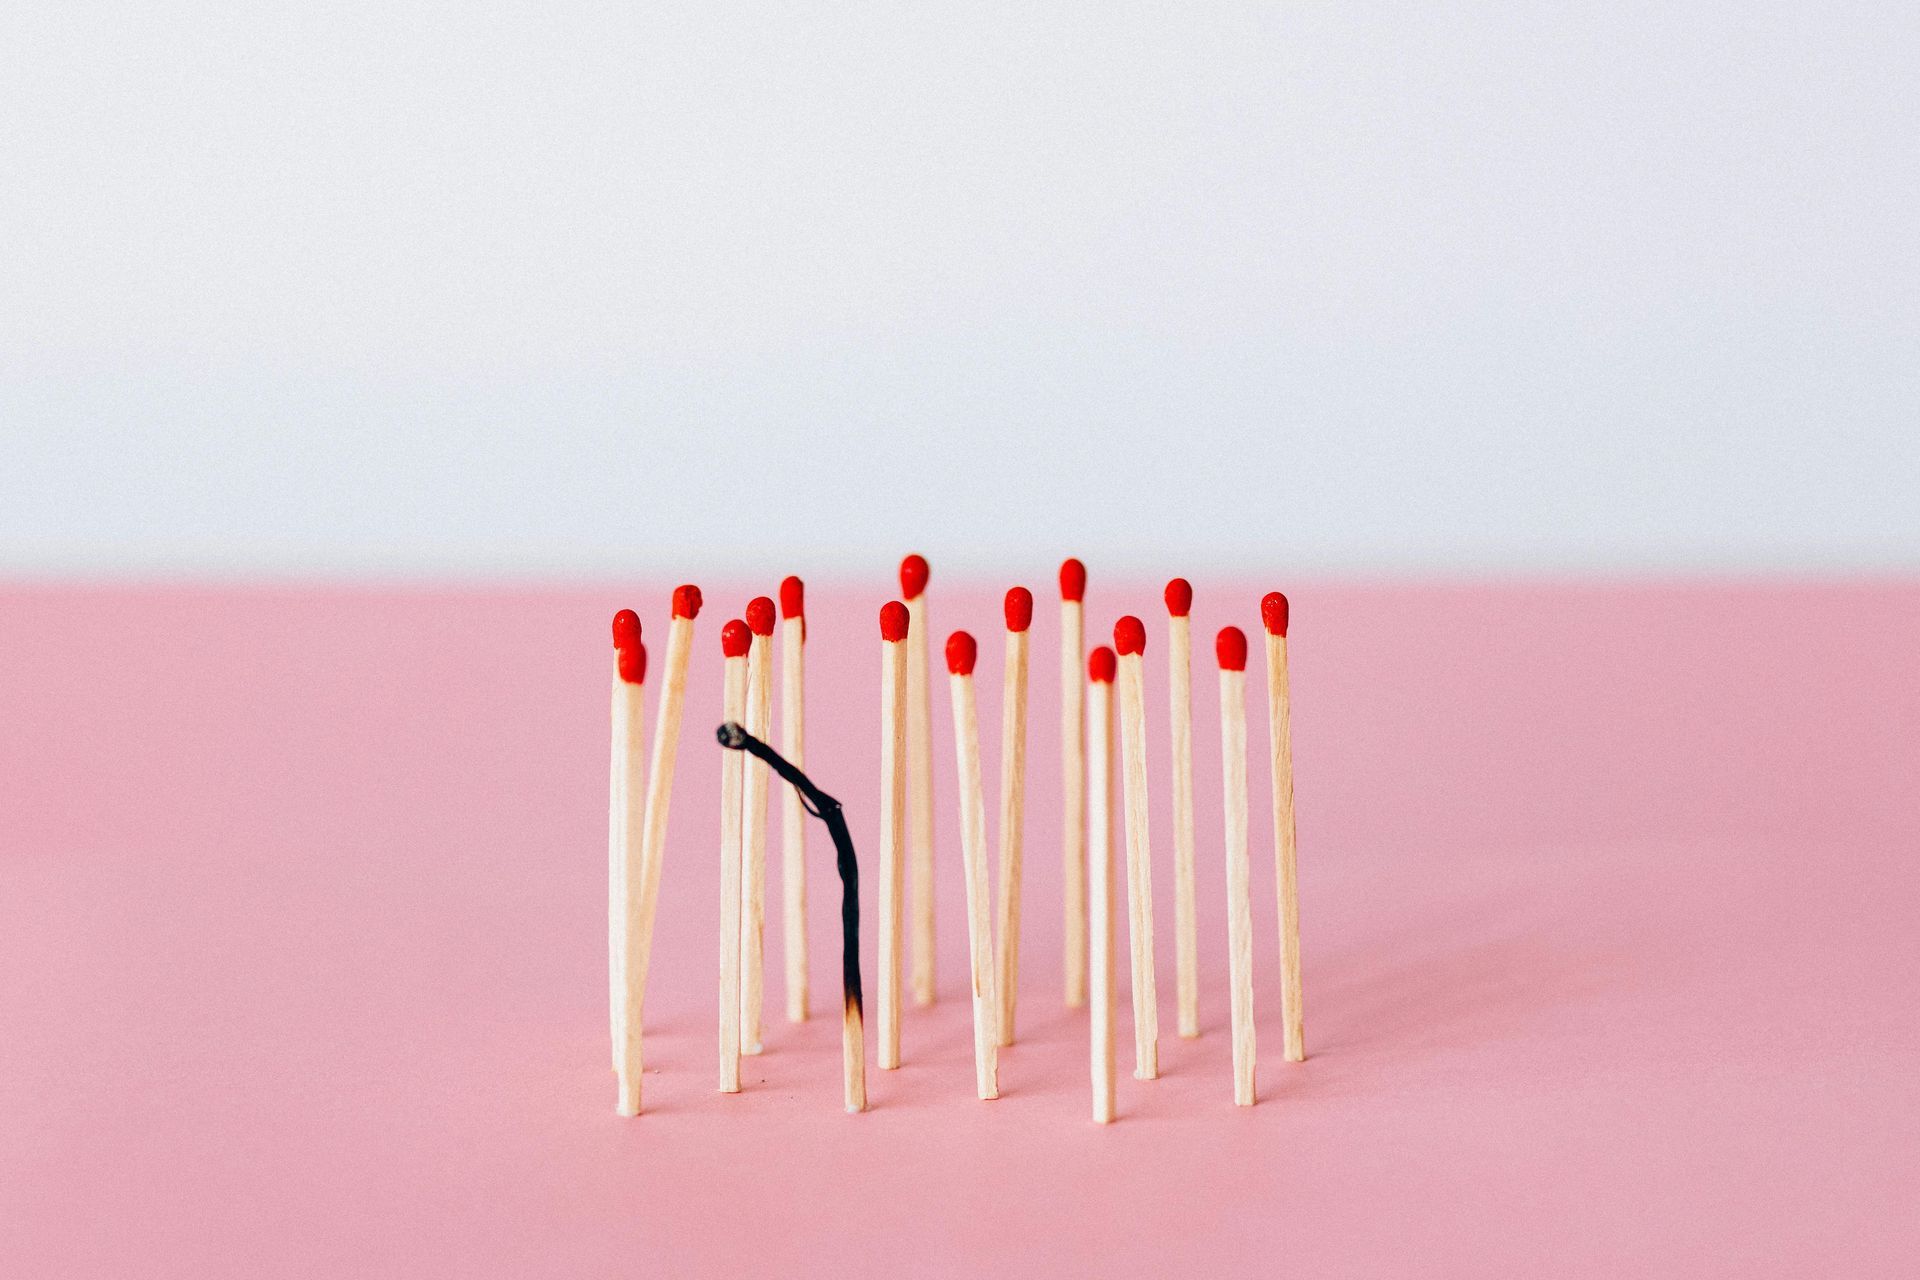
(1230, 646)
(640, 914)
(735, 640)
(626, 813)
(1013, 799)
(1073, 778)
(1273, 613)
(913, 590)
(1100, 671)
(893, 819)
(753, 865)
(793, 817)
(1130, 642)
(961, 652)
(1186, 954)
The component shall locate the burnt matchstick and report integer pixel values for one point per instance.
(1100, 673)
(626, 817)
(828, 810)
(1073, 779)
(1230, 647)
(735, 639)
(1186, 954)
(913, 590)
(1130, 643)
(1013, 799)
(1274, 613)
(961, 653)
(753, 856)
(793, 817)
(893, 820)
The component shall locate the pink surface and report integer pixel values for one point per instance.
(1609, 918)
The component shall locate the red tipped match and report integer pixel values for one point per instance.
(633, 664)
(1019, 609)
(1273, 612)
(1101, 665)
(1179, 596)
(686, 602)
(1230, 646)
(1073, 579)
(626, 643)
(760, 616)
(893, 621)
(961, 651)
(793, 595)
(1130, 636)
(626, 629)
(734, 639)
(913, 576)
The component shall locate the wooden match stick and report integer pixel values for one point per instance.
(893, 819)
(641, 913)
(1013, 799)
(1100, 672)
(1130, 642)
(735, 640)
(1230, 647)
(961, 653)
(1273, 613)
(913, 590)
(1186, 945)
(1073, 778)
(626, 812)
(753, 866)
(793, 817)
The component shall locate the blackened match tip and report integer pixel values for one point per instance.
(731, 736)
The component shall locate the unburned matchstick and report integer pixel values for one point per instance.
(961, 654)
(1130, 643)
(1013, 787)
(1100, 672)
(735, 640)
(1186, 955)
(626, 816)
(913, 590)
(1274, 616)
(893, 819)
(753, 866)
(1230, 647)
(1073, 779)
(793, 818)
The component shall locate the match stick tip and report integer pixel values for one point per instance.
(1073, 579)
(1101, 665)
(793, 595)
(686, 602)
(1019, 608)
(626, 643)
(1130, 636)
(961, 652)
(760, 616)
(734, 639)
(913, 576)
(1273, 612)
(893, 621)
(731, 735)
(1230, 646)
(1179, 597)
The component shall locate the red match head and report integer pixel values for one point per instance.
(1130, 636)
(1179, 596)
(760, 616)
(626, 629)
(1019, 608)
(626, 643)
(913, 577)
(1230, 646)
(793, 596)
(1101, 664)
(1073, 579)
(734, 639)
(961, 651)
(1273, 613)
(686, 602)
(893, 621)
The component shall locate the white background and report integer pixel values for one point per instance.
(405, 287)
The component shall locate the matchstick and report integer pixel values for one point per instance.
(1130, 642)
(735, 640)
(961, 652)
(641, 910)
(913, 590)
(1073, 778)
(1230, 647)
(1013, 799)
(753, 865)
(1100, 671)
(1186, 953)
(893, 820)
(1273, 614)
(626, 811)
(793, 817)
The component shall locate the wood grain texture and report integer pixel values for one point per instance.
(753, 863)
(1073, 801)
(893, 834)
(1286, 861)
(925, 981)
(1233, 761)
(627, 809)
(1186, 929)
(732, 777)
(1100, 894)
(793, 817)
(1133, 788)
(973, 852)
(1013, 791)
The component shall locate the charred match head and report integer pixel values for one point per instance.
(731, 736)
